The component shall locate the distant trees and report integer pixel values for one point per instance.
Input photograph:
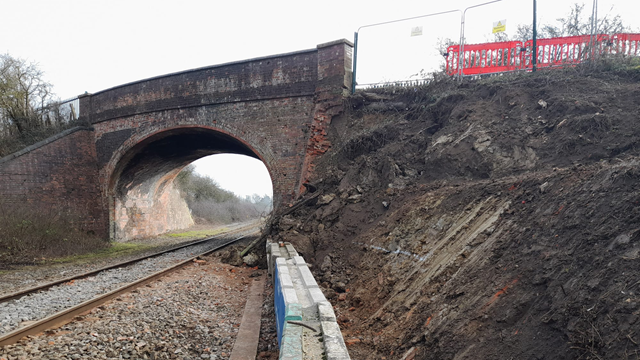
(209, 202)
(195, 187)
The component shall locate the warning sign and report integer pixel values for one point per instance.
(500, 26)
(416, 31)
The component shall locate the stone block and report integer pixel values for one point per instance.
(316, 295)
(290, 296)
(335, 348)
(325, 311)
(307, 277)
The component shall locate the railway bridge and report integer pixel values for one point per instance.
(116, 175)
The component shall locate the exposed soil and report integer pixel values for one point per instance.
(495, 219)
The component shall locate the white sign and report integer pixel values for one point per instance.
(416, 31)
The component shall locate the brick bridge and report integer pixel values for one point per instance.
(116, 176)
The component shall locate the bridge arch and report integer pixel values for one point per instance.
(275, 108)
(141, 195)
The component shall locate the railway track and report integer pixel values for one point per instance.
(199, 248)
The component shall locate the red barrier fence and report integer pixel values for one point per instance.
(627, 44)
(508, 56)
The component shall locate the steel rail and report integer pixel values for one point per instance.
(28, 291)
(65, 316)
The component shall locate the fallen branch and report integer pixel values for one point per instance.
(302, 324)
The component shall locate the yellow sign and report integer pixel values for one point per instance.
(416, 31)
(500, 26)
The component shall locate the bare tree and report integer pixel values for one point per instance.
(576, 22)
(23, 91)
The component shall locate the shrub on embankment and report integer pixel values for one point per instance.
(29, 235)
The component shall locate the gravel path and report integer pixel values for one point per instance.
(193, 313)
(39, 305)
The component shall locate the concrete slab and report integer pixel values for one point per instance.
(246, 345)
(290, 296)
(299, 260)
(292, 251)
(291, 348)
(316, 295)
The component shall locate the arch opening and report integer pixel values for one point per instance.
(144, 199)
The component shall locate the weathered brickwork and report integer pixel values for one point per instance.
(274, 108)
(59, 174)
(334, 83)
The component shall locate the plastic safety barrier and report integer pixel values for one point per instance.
(500, 57)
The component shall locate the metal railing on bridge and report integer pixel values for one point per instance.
(63, 111)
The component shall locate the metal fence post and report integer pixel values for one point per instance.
(461, 46)
(355, 62)
(534, 51)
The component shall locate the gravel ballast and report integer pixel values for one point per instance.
(36, 306)
(193, 313)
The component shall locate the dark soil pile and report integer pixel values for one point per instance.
(496, 219)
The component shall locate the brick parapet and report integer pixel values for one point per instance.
(281, 76)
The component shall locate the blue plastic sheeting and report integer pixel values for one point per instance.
(280, 306)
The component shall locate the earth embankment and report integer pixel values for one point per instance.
(496, 219)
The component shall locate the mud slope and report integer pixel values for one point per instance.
(497, 219)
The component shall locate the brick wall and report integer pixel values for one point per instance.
(59, 173)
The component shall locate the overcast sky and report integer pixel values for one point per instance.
(93, 45)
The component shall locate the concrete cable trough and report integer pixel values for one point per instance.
(305, 320)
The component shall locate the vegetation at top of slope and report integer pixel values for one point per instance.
(576, 22)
